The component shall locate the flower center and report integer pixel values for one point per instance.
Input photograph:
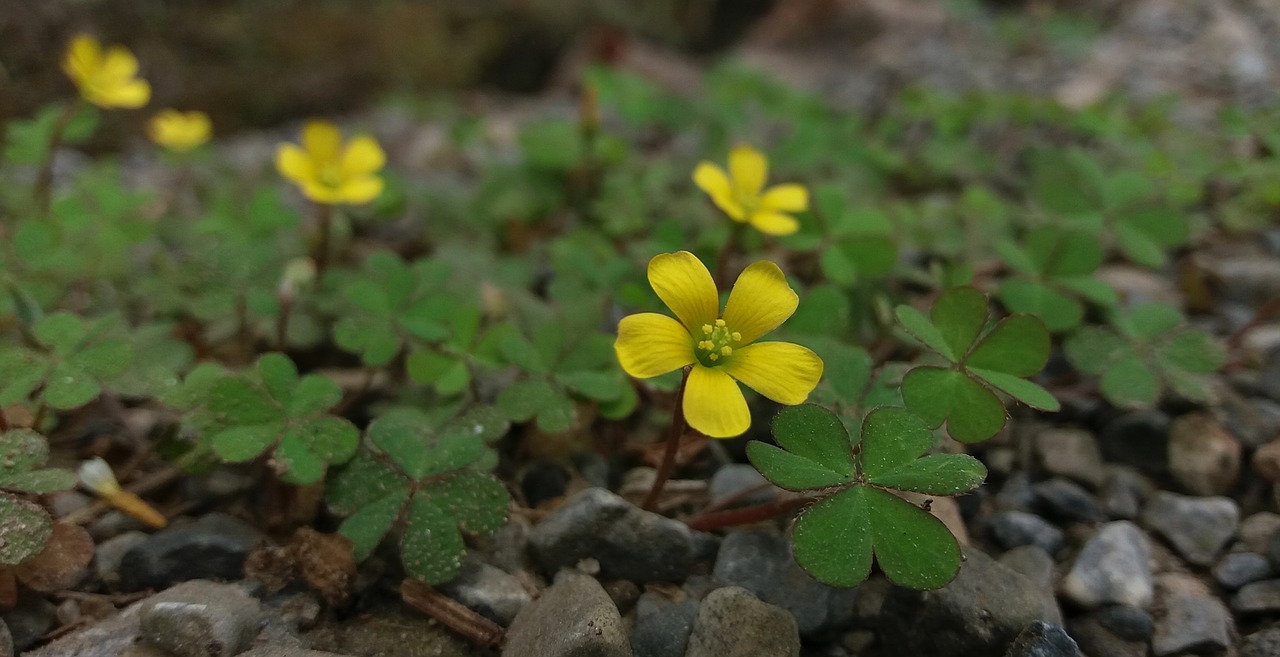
(716, 343)
(329, 174)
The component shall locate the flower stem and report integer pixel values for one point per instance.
(720, 519)
(324, 217)
(731, 245)
(678, 427)
(44, 178)
(453, 615)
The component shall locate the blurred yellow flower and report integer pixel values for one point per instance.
(97, 476)
(742, 195)
(179, 131)
(106, 79)
(329, 171)
(720, 348)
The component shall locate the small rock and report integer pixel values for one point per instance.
(662, 626)
(285, 651)
(214, 547)
(761, 562)
(6, 641)
(1123, 493)
(592, 467)
(1257, 597)
(1265, 643)
(1266, 461)
(29, 620)
(1251, 279)
(1255, 421)
(1256, 531)
(734, 478)
(509, 546)
(199, 618)
(624, 593)
(733, 623)
(1071, 453)
(1041, 639)
(1067, 500)
(1197, 527)
(1236, 569)
(1098, 641)
(386, 630)
(1012, 529)
(979, 613)
(488, 591)
(1193, 620)
(629, 543)
(108, 555)
(1016, 494)
(1113, 567)
(1137, 439)
(572, 617)
(543, 481)
(1033, 562)
(1269, 375)
(1203, 457)
(1128, 623)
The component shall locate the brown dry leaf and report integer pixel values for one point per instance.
(69, 550)
(327, 563)
(273, 566)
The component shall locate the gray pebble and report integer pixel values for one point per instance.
(1257, 597)
(573, 617)
(1097, 641)
(1128, 623)
(108, 555)
(488, 591)
(1071, 453)
(735, 478)
(1137, 439)
(662, 627)
(199, 618)
(1041, 639)
(1113, 567)
(214, 547)
(1265, 643)
(1194, 620)
(628, 543)
(6, 641)
(1066, 500)
(733, 623)
(1197, 527)
(760, 561)
(1123, 492)
(1013, 529)
(1235, 569)
(1255, 531)
(29, 620)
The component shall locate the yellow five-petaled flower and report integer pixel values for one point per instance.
(179, 131)
(329, 171)
(106, 79)
(742, 195)
(720, 348)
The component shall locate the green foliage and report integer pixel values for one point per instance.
(66, 367)
(428, 478)
(279, 411)
(981, 363)
(859, 514)
(22, 453)
(1055, 268)
(390, 303)
(24, 532)
(1147, 348)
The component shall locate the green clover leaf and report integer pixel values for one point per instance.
(428, 479)
(284, 411)
(1055, 273)
(858, 516)
(1149, 347)
(392, 303)
(963, 394)
(70, 368)
(22, 453)
(25, 530)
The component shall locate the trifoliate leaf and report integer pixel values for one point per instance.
(22, 453)
(24, 530)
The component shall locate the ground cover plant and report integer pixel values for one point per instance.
(389, 346)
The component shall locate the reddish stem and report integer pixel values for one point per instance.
(708, 521)
(678, 427)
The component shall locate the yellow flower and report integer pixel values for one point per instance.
(721, 348)
(329, 171)
(742, 195)
(106, 79)
(179, 131)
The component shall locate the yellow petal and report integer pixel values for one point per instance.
(712, 180)
(84, 56)
(714, 405)
(132, 94)
(292, 163)
(322, 140)
(749, 168)
(119, 65)
(319, 193)
(760, 301)
(362, 156)
(781, 371)
(684, 284)
(650, 344)
(360, 190)
(774, 223)
(785, 198)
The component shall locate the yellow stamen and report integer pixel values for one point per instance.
(720, 323)
(737, 337)
(706, 328)
(726, 350)
(714, 356)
